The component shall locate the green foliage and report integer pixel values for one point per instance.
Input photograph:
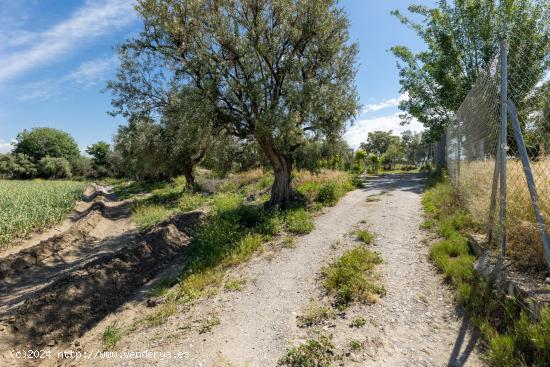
(100, 152)
(41, 142)
(513, 338)
(292, 103)
(313, 353)
(298, 221)
(358, 322)
(17, 165)
(315, 314)
(365, 236)
(350, 277)
(27, 206)
(235, 284)
(148, 215)
(436, 80)
(163, 286)
(378, 142)
(111, 336)
(393, 155)
(162, 313)
(54, 168)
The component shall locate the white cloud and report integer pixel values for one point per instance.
(95, 19)
(86, 75)
(92, 72)
(359, 131)
(5, 147)
(393, 102)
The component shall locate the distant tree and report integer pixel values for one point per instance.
(462, 39)
(413, 146)
(41, 142)
(393, 155)
(50, 167)
(379, 141)
(278, 71)
(374, 163)
(100, 155)
(360, 159)
(17, 165)
(139, 148)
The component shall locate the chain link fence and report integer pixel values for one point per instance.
(507, 113)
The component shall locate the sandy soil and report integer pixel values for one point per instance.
(415, 324)
(55, 289)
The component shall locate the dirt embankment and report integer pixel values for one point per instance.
(56, 289)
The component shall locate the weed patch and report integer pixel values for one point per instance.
(358, 322)
(317, 352)
(315, 313)
(208, 324)
(365, 236)
(111, 336)
(350, 278)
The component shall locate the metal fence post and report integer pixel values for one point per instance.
(503, 148)
(530, 179)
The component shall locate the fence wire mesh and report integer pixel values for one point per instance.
(473, 146)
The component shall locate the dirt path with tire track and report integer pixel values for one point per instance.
(415, 324)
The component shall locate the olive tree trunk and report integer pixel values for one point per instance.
(282, 193)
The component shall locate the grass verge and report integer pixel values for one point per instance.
(512, 337)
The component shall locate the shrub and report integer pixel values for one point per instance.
(17, 165)
(55, 168)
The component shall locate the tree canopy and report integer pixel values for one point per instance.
(462, 39)
(277, 71)
(41, 142)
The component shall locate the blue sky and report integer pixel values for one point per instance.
(56, 56)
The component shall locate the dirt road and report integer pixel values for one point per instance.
(415, 324)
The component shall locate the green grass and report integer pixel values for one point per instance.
(317, 352)
(27, 206)
(356, 345)
(162, 313)
(111, 336)
(289, 242)
(164, 201)
(298, 221)
(235, 284)
(315, 313)
(365, 236)
(350, 278)
(358, 322)
(163, 286)
(513, 339)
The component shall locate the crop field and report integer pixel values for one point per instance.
(27, 206)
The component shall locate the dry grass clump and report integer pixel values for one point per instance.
(523, 236)
(321, 177)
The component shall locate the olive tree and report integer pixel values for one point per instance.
(277, 71)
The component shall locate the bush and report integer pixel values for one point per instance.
(50, 167)
(17, 165)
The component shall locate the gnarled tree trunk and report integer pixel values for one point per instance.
(282, 193)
